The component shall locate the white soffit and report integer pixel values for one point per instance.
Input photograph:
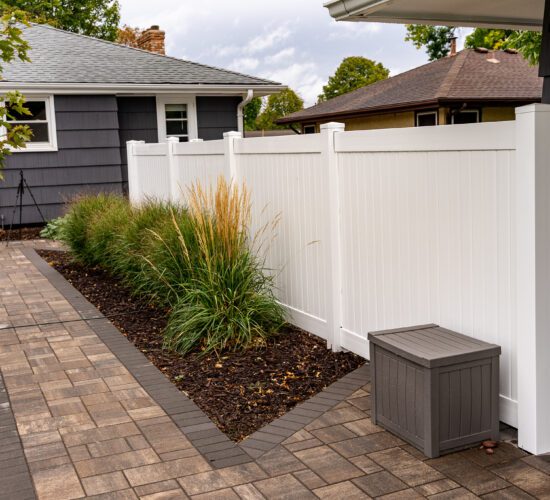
(510, 14)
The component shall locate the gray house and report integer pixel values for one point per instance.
(88, 97)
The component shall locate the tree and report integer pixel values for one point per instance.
(436, 39)
(353, 73)
(251, 112)
(97, 18)
(12, 46)
(128, 35)
(277, 106)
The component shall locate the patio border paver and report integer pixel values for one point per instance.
(206, 437)
(15, 477)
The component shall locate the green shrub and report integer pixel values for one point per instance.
(228, 302)
(54, 229)
(197, 261)
(82, 212)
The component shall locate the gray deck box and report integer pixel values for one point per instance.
(435, 388)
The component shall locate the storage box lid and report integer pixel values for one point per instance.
(431, 345)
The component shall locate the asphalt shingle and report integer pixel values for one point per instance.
(61, 57)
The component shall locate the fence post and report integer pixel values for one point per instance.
(175, 188)
(229, 152)
(532, 192)
(134, 187)
(330, 164)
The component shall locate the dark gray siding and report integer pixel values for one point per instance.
(137, 118)
(216, 115)
(88, 159)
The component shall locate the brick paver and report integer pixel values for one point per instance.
(84, 414)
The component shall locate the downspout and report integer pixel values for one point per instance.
(240, 110)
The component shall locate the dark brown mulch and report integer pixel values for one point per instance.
(240, 392)
(26, 233)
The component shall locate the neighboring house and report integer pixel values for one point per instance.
(87, 97)
(466, 87)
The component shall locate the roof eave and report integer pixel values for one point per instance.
(440, 102)
(370, 11)
(133, 88)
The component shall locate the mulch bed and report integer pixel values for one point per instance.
(27, 233)
(240, 392)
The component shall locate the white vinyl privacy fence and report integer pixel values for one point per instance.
(392, 228)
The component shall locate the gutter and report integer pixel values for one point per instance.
(132, 88)
(240, 110)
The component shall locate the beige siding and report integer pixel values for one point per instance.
(407, 119)
(498, 114)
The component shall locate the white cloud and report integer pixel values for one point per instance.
(281, 56)
(268, 40)
(294, 42)
(244, 64)
(303, 78)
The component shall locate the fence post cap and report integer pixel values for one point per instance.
(236, 135)
(135, 142)
(333, 126)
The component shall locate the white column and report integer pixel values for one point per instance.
(176, 194)
(330, 165)
(134, 189)
(231, 162)
(533, 276)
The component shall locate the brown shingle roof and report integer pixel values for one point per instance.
(465, 77)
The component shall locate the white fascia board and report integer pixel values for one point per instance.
(132, 89)
(380, 11)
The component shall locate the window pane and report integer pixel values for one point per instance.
(184, 139)
(36, 108)
(426, 120)
(466, 117)
(176, 111)
(176, 128)
(39, 132)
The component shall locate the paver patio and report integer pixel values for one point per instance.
(83, 413)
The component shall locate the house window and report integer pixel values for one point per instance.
(465, 116)
(176, 121)
(426, 119)
(176, 118)
(309, 129)
(41, 121)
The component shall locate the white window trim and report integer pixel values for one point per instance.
(425, 113)
(36, 147)
(190, 101)
(476, 111)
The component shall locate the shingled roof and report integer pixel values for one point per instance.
(62, 57)
(468, 76)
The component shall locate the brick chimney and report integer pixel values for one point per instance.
(152, 40)
(452, 53)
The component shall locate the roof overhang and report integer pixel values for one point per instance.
(509, 14)
(121, 89)
(413, 106)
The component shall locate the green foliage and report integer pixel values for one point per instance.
(54, 229)
(251, 112)
(353, 73)
(436, 39)
(487, 38)
(12, 46)
(528, 43)
(85, 211)
(277, 106)
(197, 262)
(97, 18)
(228, 302)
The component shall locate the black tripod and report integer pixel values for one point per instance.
(19, 203)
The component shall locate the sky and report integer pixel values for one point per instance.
(294, 42)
